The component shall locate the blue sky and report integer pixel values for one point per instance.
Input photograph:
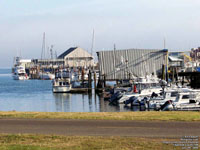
(127, 23)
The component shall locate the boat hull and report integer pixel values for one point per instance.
(61, 89)
(46, 76)
(16, 77)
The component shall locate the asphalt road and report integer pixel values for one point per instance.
(100, 128)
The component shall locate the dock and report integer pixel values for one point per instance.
(80, 90)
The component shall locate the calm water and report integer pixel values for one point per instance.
(37, 95)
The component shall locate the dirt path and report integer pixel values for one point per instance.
(100, 127)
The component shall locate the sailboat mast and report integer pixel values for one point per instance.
(43, 47)
(92, 47)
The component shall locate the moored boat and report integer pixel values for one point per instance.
(184, 101)
(46, 76)
(62, 82)
(19, 73)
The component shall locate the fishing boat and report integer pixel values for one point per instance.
(62, 82)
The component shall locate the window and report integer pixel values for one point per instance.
(185, 97)
(174, 94)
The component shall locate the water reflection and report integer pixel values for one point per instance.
(66, 102)
(62, 102)
(36, 95)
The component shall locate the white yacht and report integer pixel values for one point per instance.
(19, 73)
(62, 82)
(18, 70)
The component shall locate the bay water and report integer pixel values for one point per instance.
(37, 95)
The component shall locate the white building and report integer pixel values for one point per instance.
(77, 57)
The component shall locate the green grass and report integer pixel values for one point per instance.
(44, 142)
(143, 116)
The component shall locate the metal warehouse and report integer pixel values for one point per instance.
(124, 64)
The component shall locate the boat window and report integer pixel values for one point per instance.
(192, 101)
(64, 83)
(174, 94)
(60, 83)
(193, 96)
(177, 98)
(185, 97)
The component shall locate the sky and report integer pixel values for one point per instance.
(67, 23)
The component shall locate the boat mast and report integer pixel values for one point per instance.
(92, 47)
(43, 47)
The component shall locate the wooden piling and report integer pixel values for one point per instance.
(104, 81)
(95, 84)
(89, 80)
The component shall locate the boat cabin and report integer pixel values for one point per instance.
(186, 98)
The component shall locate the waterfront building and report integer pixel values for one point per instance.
(77, 57)
(129, 63)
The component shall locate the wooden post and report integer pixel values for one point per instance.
(183, 80)
(173, 75)
(95, 84)
(89, 80)
(82, 76)
(104, 81)
(163, 72)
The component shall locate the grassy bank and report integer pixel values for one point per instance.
(40, 142)
(143, 116)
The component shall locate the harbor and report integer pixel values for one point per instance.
(99, 75)
(142, 79)
(37, 96)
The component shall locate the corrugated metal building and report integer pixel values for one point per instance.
(122, 64)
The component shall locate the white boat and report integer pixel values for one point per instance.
(18, 70)
(184, 101)
(19, 73)
(46, 76)
(143, 87)
(168, 94)
(62, 82)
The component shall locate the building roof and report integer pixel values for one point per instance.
(67, 52)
